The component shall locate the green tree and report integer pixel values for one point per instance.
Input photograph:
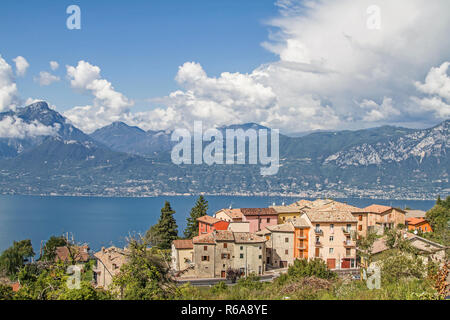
(13, 258)
(6, 292)
(199, 210)
(166, 228)
(144, 276)
(308, 268)
(49, 250)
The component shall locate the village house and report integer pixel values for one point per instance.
(418, 224)
(109, 262)
(259, 218)
(381, 217)
(72, 254)
(415, 214)
(287, 212)
(218, 251)
(428, 250)
(243, 226)
(230, 215)
(280, 245)
(208, 224)
(182, 256)
(332, 237)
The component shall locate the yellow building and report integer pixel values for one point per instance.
(286, 212)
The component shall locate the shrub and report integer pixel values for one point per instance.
(308, 268)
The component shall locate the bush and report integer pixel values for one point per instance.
(219, 288)
(309, 268)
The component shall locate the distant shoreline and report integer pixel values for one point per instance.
(303, 196)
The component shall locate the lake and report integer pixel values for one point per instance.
(107, 221)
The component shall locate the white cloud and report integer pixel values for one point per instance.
(108, 105)
(376, 112)
(54, 65)
(14, 127)
(45, 78)
(8, 88)
(21, 65)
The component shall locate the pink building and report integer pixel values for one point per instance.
(259, 218)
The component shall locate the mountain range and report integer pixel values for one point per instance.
(121, 160)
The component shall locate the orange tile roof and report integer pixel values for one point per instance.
(183, 244)
(416, 221)
(377, 208)
(208, 220)
(258, 211)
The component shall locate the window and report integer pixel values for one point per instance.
(360, 227)
(205, 258)
(317, 239)
(242, 248)
(284, 219)
(360, 217)
(349, 226)
(205, 248)
(317, 226)
(331, 250)
(260, 257)
(241, 256)
(286, 251)
(331, 238)
(225, 256)
(268, 220)
(348, 251)
(225, 245)
(331, 227)
(286, 240)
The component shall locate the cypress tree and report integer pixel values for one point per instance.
(199, 210)
(167, 227)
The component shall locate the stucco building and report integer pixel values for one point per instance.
(182, 256)
(109, 262)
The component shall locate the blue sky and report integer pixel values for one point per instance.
(139, 45)
(295, 65)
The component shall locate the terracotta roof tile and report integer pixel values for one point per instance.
(208, 220)
(247, 237)
(377, 208)
(80, 254)
(330, 216)
(300, 203)
(415, 221)
(232, 213)
(285, 227)
(204, 239)
(286, 209)
(258, 211)
(183, 244)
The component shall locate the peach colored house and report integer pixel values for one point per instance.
(259, 218)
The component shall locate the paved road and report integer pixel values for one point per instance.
(211, 282)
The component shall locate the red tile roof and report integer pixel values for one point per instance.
(204, 239)
(183, 244)
(208, 220)
(258, 211)
(80, 254)
(232, 213)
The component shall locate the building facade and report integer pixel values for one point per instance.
(259, 218)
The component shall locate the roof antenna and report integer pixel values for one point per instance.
(231, 206)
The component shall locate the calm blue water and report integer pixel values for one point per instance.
(106, 221)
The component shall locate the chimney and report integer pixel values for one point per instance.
(283, 203)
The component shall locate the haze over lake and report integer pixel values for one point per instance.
(107, 221)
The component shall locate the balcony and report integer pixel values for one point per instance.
(302, 247)
(318, 231)
(346, 231)
(318, 244)
(301, 236)
(349, 243)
